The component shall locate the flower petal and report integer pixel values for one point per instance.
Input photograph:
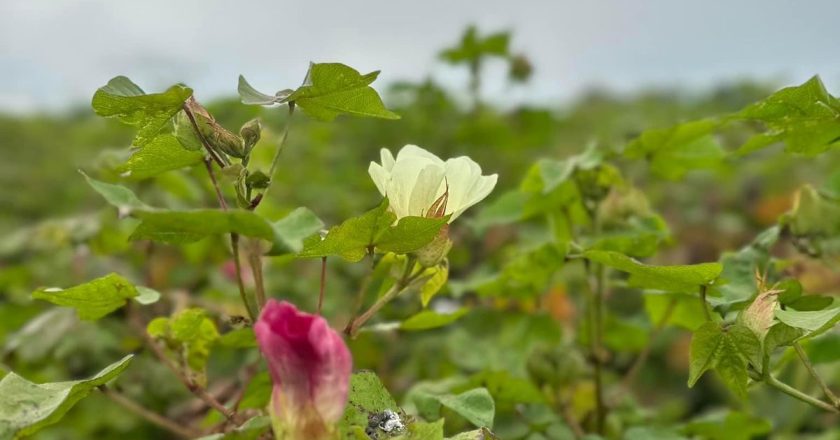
(380, 176)
(425, 189)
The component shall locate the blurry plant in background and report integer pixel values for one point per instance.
(531, 317)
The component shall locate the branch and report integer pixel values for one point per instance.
(595, 297)
(149, 415)
(793, 392)
(194, 388)
(810, 367)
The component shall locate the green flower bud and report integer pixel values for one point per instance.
(433, 253)
(250, 133)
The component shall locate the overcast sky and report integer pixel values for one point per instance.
(55, 53)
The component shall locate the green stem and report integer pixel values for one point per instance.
(356, 323)
(810, 367)
(595, 306)
(276, 160)
(793, 392)
(234, 245)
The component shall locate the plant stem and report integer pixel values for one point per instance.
(595, 309)
(810, 367)
(149, 415)
(793, 392)
(196, 389)
(704, 304)
(234, 245)
(323, 284)
(234, 237)
(405, 279)
(255, 261)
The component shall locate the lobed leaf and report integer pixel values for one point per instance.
(332, 89)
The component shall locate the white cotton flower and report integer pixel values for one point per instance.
(417, 179)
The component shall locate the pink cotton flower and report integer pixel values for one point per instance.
(310, 366)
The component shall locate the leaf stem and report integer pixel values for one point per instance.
(703, 303)
(356, 323)
(323, 284)
(810, 367)
(149, 415)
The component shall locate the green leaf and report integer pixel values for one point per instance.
(161, 154)
(239, 338)
(332, 89)
(117, 195)
(805, 117)
(779, 335)
(180, 227)
(727, 352)
(687, 312)
(705, 344)
(423, 431)
(814, 322)
(684, 278)
(146, 296)
(429, 319)
(258, 392)
(94, 299)
(291, 230)
(249, 95)
(367, 396)
(191, 334)
(438, 278)
(409, 234)
(507, 390)
(676, 150)
(124, 100)
(475, 405)
(353, 238)
(27, 407)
